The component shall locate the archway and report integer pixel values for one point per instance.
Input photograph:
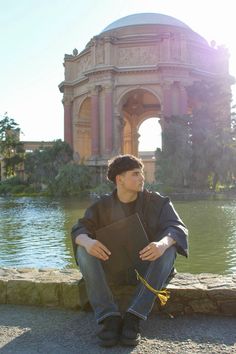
(137, 106)
(150, 138)
(150, 135)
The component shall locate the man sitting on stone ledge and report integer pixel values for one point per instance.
(167, 236)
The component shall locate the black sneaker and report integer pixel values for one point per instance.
(130, 334)
(110, 333)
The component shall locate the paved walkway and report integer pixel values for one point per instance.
(31, 330)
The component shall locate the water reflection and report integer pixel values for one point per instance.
(212, 228)
(32, 233)
(35, 232)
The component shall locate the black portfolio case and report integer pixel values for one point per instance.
(124, 238)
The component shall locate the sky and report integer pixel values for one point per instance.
(35, 36)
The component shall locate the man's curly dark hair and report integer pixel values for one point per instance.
(122, 163)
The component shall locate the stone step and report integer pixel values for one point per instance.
(189, 293)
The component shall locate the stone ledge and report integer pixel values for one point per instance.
(190, 293)
(42, 287)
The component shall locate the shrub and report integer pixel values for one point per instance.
(71, 180)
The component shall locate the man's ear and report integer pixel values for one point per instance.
(118, 179)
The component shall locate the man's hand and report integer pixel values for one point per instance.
(93, 247)
(156, 249)
(97, 249)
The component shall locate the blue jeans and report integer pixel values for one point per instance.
(99, 293)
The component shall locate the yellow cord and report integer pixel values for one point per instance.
(162, 295)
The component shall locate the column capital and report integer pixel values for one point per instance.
(67, 100)
(94, 90)
(167, 84)
(108, 87)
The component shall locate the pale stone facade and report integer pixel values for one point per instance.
(136, 68)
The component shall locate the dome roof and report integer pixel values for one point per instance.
(145, 19)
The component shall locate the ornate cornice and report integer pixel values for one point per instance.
(73, 83)
(113, 70)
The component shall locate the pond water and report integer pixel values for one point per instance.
(35, 232)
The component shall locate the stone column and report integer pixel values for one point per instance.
(95, 121)
(108, 121)
(118, 134)
(135, 139)
(183, 101)
(134, 135)
(164, 126)
(68, 134)
(167, 100)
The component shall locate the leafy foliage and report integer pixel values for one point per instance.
(72, 180)
(173, 163)
(212, 135)
(43, 165)
(11, 149)
(199, 150)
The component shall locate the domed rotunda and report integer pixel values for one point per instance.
(138, 67)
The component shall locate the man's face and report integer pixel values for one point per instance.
(132, 181)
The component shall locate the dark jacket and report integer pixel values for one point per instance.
(156, 212)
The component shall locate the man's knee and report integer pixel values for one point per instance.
(168, 258)
(169, 254)
(82, 256)
(87, 262)
(80, 253)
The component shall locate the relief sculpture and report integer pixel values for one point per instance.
(138, 56)
(99, 54)
(84, 63)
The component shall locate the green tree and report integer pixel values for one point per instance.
(11, 149)
(199, 150)
(211, 134)
(173, 162)
(43, 165)
(72, 180)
